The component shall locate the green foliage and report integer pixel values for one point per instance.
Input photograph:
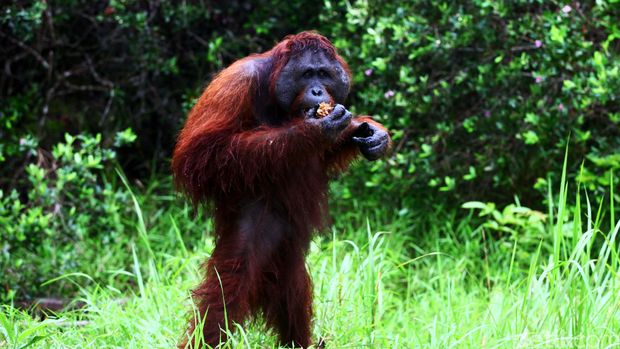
(65, 212)
(482, 96)
(510, 226)
(102, 66)
(512, 220)
(378, 287)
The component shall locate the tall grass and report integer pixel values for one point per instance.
(441, 284)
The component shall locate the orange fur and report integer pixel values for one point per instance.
(267, 185)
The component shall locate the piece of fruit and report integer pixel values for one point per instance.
(324, 109)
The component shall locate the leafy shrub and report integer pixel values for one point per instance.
(514, 224)
(482, 96)
(65, 213)
(102, 66)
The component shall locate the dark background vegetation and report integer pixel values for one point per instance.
(483, 99)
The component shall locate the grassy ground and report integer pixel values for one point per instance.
(444, 283)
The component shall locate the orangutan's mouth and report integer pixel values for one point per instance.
(309, 112)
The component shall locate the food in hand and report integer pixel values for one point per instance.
(324, 109)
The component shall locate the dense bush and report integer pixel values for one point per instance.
(67, 213)
(102, 66)
(483, 96)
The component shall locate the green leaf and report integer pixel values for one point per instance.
(568, 85)
(558, 34)
(474, 205)
(530, 137)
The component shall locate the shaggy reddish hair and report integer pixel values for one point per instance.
(266, 185)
